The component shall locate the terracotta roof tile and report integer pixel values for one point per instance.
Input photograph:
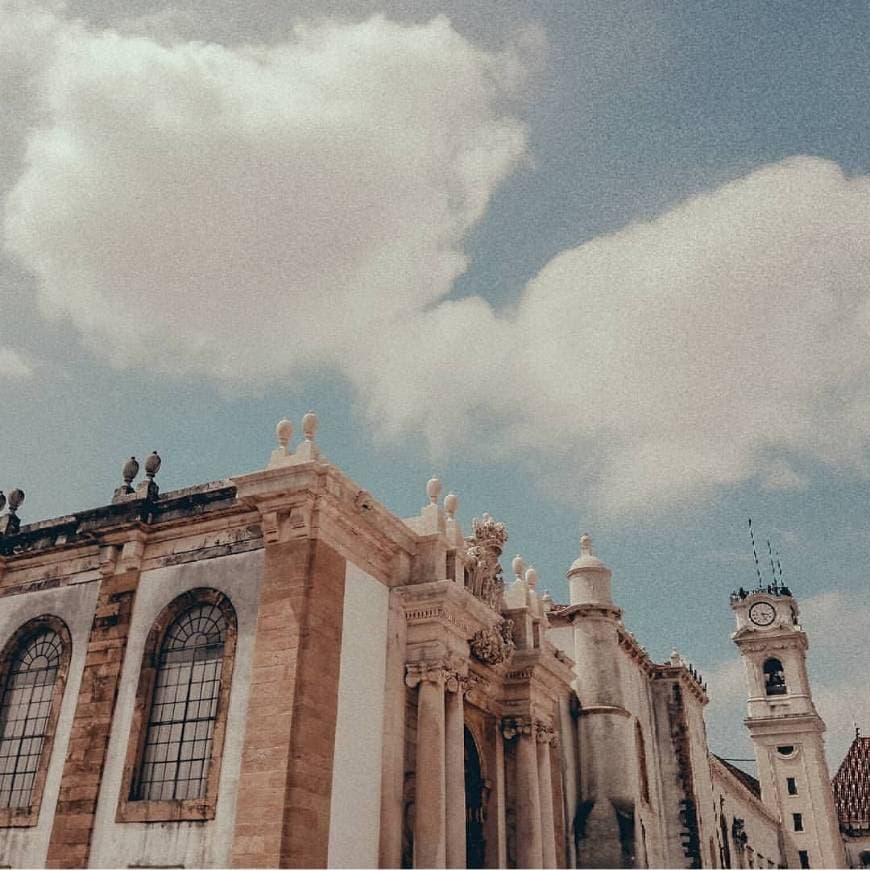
(851, 785)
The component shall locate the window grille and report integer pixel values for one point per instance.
(24, 714)
(178, 740)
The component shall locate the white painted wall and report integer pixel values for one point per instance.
(74, 604)
(187, 844)
(354, 824)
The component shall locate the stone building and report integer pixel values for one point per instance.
(274, 670)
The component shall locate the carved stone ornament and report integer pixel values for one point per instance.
(513, 726)
(417, 672)
(495, 644)
(544, 733)
(483, 577)
(438, 672)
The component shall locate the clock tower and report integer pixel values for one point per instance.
(785, 726)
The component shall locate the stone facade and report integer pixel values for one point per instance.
(379, 695)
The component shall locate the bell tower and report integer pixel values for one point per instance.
(785, 727)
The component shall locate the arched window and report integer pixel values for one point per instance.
(34, 667)
(774, 678)
(182, 702)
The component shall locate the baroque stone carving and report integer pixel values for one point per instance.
(494, 644)
(545, 734)
(443, 672)
(513, 726)
(483, 577)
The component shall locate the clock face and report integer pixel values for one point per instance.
(762, 613)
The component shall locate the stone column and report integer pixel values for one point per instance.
(455, 772)
(528, 795)
(430, 842)
(544, 736)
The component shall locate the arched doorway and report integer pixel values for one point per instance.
(475, 810)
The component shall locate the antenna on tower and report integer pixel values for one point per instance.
(772, 567)
(755, 553)
(779, 566)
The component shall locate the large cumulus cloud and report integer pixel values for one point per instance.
(243, 212)
(726, 338)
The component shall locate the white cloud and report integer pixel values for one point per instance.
(676, 355)
(780, 475)
(837, 625)
(13, 365)
(247, 212)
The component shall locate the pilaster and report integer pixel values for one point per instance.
(287, 757)
(70, 843)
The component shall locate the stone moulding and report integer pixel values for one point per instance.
(494, 644)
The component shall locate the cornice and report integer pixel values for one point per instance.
(613, 710)
(586, 611)
(681, 674)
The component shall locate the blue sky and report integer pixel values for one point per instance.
(597, 265)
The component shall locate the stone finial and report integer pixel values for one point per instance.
(148, 488)
(310, 425)
(433, 490)
(284, 432)
(129, 472)
(308, 450)
(152, 465)
(532, 578)
(586, 545)
(451, 505)
(519, 566)
(9, 522)
(676, 659)
(16, 498)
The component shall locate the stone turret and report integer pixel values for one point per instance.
(606, 810)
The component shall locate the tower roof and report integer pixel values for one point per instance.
(851, 785)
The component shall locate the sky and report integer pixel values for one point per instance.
(597, 265)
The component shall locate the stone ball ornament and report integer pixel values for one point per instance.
(130, 470)
(284, 432)
(518, 564)
(433, 489)
(310, 425)
(16, 499)
(152, 464)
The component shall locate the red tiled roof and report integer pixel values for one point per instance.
(851, 785)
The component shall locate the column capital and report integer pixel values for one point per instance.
(438, 671)
(545, 733)
(511, 727)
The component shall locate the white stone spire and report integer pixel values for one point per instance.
(588, 577)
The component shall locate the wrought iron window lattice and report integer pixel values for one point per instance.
(178, 741)
(24, 712)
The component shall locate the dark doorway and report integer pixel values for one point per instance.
(475, 846)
